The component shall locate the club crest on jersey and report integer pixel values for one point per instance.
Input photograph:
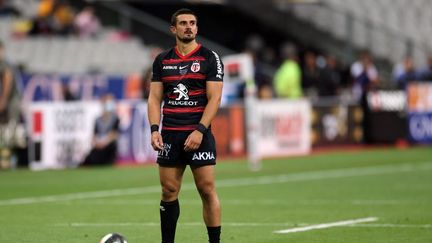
(195, 67)
(182, 92)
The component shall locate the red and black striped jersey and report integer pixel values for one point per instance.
(184, 85)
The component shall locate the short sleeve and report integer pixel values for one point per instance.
(216, 68)
(157, 68)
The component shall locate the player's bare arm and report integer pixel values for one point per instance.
(154, 113)
(214, 94)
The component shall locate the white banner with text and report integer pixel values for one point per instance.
(284, 127)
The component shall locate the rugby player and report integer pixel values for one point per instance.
(188, 80)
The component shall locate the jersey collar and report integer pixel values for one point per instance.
(189, 54)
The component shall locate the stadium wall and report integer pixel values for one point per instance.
(56, 140)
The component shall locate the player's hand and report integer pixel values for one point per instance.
(156, 141)
(193, 141)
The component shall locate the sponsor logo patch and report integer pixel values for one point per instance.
(218, 66)
(183, 69)
(164, 153)
(170, 67)
(183, 102)
(182, 92)
(203, 156)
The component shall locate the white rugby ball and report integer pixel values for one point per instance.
(113, 238)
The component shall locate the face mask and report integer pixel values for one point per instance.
(109, 106)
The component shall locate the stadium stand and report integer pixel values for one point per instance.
(27, 7)
(46, 54)
(391, 29)
(71, 55)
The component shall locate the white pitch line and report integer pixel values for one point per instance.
(249, 181)
(81, 195)
(152, 224)
(234, 224)
(241, 202)
(326, 225)
(392, 225)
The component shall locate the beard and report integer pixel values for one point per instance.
(186, 40)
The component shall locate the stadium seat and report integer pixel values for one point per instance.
(381, 25)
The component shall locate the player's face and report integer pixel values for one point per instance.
(186, 28)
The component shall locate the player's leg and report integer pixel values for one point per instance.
(170, 179)
(204, 177)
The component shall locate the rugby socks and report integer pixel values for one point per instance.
(169, 214)
(214, 234)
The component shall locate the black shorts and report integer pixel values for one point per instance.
(174, 154)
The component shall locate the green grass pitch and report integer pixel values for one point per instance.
(391, 186)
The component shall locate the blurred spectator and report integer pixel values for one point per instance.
(45, 8)
(287, 80)
(398, 69)
(254, 43)
(263, 58)
(405, 72)
(310, 74)
(268, 55)
(67, 93)
(264, 53)
(262, 82)
(9, 110)
(6, 9)
(330, 78)
(62, 18)
(426, 73)
(53, 17)
(86, 23)
(106, 130)
(265, 92)
(364, 75)
(41, 23)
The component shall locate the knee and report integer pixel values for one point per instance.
(207, 191)
(169, 192)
